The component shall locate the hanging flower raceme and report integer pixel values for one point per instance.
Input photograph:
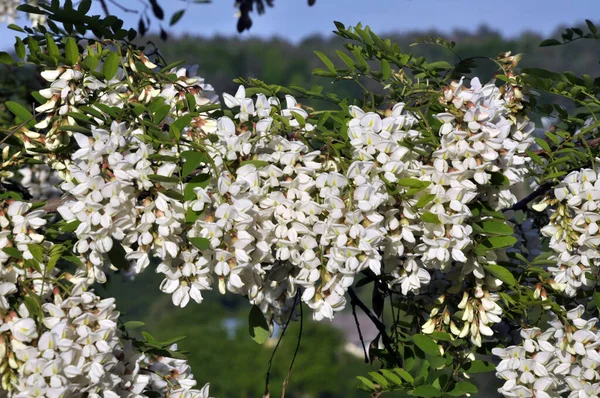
(573, 230)
(262, 204)
(70, 341)
(559, 361)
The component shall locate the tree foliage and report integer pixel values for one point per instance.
(407, 190)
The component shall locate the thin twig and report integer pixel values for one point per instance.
(387, 341)
(360, 336)
(267, 388)
(123, 8)
(285, 382)
(104, 7)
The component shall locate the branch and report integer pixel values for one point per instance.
(542, 189)
(53, 204)
(287, 323)
(387, 341)
(123, 8)
(104, 7)
(362, 340)
(285, 382)
(522, 204)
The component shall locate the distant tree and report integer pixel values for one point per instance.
(151, 10)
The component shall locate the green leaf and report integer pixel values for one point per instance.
(363, 65)
(200, 243)
(201, 180)
(412, 183)
(541, 73)
(597, 299)
(174, 194)
(478, 366)
(170, 342)
(71, 51)
(90, 62)
(131, 325)
(536, 158)
(84, 6)
(424, 200)
(499, 242)
(178, 125)
(149, 338)
(69, 227)
(257, 163)
(553, 138)
(543, 144)
(111, 65)
(93, 111)
(326, 61)
(426, 391)
(299, 118)
(193, 159)
(379, 379)
(498, 179)
(5, 58)
(386, 71)
(30, 9)
(501, 273)
(591, 26)
(73, 259)
(347, 60)
(462, 388)
(368, 384)
(77, 129)
(52, 47)
(191, 100)
(258, 326)
(391, 376)
(176, 17)
(23, 114)
(116, 255)
(20, 48)
(441, 336)
(159, 178)
(496, 228)
(430, 218)
(16, 27)
(550, 42)
(426, 344)
(13, 252)
(32, 304)
(323, 73)
(405, 375)
(55, 254)
(37, 252)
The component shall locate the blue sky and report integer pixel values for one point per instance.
(294, 20)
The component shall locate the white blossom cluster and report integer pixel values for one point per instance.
(562, 361)
(57, 341)
(320, 225)
(278, 215)
(108, 176)
(574, 230)
(481, 139)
